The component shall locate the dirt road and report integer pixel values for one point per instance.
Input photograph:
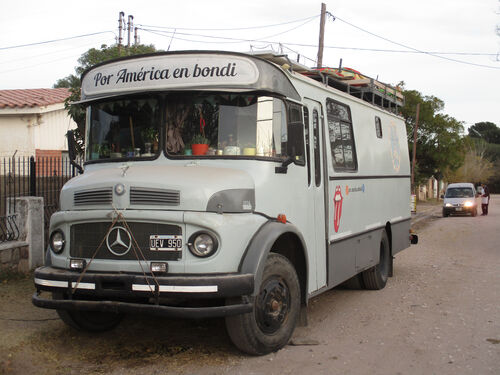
(439, 314)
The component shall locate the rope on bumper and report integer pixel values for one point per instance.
(135, 247)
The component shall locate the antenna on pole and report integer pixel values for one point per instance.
(129, 28)
(120, 29)
(321, 35)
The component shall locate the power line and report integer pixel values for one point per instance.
(411, 48)
(232, 29)
(56, 40)
(242, 40)
(226, 39)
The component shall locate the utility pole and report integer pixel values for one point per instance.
(136, 37)
(414, 150)
(321, 35)
(120, 30)
(129, 28)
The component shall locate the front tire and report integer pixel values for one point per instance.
(90, 321)
(376, 277)
(276, 310)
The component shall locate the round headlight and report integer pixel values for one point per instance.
(57, 241)
(202, 244)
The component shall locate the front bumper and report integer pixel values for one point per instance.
(459, 210)
(134, 293)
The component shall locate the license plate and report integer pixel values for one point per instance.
(458, 209)
(165, 242)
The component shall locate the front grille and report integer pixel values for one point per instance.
(93, 197)
(86, 238)
(146, 196)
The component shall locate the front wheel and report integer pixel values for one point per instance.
(276, 310)
(91, 321)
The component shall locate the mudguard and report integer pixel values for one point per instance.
(254, 258)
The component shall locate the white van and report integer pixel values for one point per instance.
(460, 199)
(225, 184)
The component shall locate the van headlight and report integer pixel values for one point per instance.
(57, 241)
(448, 205)
(468, 204)
(203, 244)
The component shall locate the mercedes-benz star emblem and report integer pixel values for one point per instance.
(119, 241)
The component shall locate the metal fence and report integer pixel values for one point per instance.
(23, 176)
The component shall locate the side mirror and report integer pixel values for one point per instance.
(72, 150)
(442, 196)
(284, 166)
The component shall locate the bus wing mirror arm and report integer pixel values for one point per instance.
(283, 168)
(72, 150)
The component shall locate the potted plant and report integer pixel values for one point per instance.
(150, 137)
(104, 151)
(199, 144)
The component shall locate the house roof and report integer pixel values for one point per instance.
(32, 97)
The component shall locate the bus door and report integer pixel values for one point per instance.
(317, 233)
(344, 191)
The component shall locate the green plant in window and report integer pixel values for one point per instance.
(149, 134)
(104, 151)
(200, 139)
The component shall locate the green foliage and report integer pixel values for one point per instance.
(95, 56)
(68, 82)
(200, 139)
(487, 131)
(475, 167)
(90, 58)
(440, 147)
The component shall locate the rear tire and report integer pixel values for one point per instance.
(276, 310)
(90, 321)
(376, 277)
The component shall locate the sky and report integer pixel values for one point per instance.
(443, 48)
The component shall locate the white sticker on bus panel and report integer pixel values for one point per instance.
(169, 72)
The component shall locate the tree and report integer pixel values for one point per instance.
(440, 147)
(90, 58)
(487, 131)
(476, 166)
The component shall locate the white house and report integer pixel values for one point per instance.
(34, 122)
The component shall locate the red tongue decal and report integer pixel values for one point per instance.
(337, 201)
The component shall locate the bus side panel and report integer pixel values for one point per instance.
(352, 255)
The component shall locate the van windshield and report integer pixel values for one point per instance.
(459, 192)
(195, 125)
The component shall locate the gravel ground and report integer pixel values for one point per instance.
(439, 314)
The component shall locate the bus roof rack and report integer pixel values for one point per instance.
(346, 80)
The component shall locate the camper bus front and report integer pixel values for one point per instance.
(205, 193)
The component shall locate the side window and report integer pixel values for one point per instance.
(341, 136)
(317, 156)
(294, 143)
(378, 127)
(308, 147)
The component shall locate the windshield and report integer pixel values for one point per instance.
(196, 125)
(462, 192)
(123, 129)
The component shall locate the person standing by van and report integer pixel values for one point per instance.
(485, 199)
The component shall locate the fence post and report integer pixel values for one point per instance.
(32, 177)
